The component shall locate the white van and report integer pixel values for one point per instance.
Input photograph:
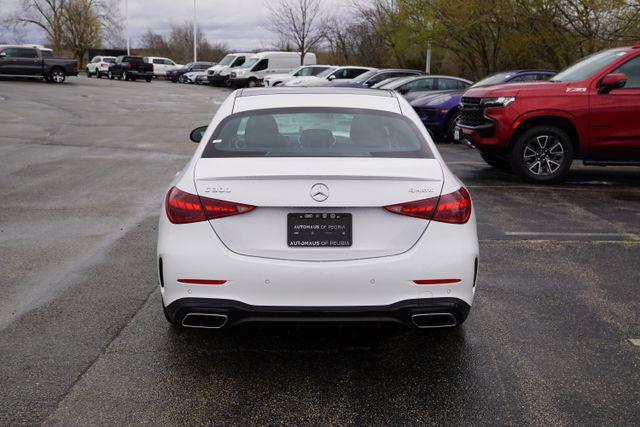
(219, 73)
(262, 64)
(161, 65)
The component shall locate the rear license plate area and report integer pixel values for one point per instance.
(319, 230)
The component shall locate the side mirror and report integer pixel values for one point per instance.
(331, 78)
(197, 134)
(612, 81)
(3, 54)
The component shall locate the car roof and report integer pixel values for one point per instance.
(400, 70)
(309, 97)
(406, 79)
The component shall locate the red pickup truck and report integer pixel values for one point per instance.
(589, 111)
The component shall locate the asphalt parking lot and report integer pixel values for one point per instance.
(553, 336)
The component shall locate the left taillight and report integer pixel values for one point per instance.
(183, 207)
(453, 208)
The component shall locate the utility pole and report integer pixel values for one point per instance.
(428, 66)
(126, 17)
(195, 36)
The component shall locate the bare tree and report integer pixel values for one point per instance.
(179, 44)
(48, 15)
(111, 19)
(155, 43)
(82, 28)
(298, 22)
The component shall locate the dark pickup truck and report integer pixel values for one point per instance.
(130, 68)
(25, 61)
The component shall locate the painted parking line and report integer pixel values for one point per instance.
(635, 341)
(628, 236)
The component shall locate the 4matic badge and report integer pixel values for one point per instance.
(217, 190)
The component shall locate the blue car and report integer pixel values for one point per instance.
(439, 112)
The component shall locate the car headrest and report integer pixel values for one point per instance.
(317, 138)
(262, 131)
(368, 132)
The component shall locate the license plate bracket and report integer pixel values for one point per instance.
(319, 230)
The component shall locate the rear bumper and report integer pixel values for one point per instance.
(435, 312)
(135, 73)
(194, 251)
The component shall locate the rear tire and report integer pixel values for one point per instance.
(148, 79)
(495, 161)
(252, 83)
(110, 75)
(542, 155)
(57, 75)
(88, 72)
(125, 76)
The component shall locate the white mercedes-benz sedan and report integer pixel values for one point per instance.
(316, 204)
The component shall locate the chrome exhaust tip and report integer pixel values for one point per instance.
(204, 320)
(434, 320)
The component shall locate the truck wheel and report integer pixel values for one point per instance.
(542, 155)
(88, 72)
(58, 75)
(451, 125)
(252, 83)
(182, 79)
(148, 79)
(495, 161)
(125, 76)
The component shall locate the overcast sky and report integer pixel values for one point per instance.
(238, 23)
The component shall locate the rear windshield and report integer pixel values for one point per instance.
(110, 60)
(317, 132)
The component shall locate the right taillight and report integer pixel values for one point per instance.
(183, 207)
(453, 208)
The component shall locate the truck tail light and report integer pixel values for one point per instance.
(129, 66)
(183, 207)
(453, 208)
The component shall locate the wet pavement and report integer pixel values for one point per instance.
(83, 167)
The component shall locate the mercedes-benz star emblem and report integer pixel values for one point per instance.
(319, 192)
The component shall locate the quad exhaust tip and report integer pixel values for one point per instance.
(204, 320)
(434, 320)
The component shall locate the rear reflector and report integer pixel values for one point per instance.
(183, 207)
(454, 208)
(436, 281)
(202, 282)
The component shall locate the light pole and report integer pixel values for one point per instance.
(195, 42)
(428, 65)
(126, 17)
